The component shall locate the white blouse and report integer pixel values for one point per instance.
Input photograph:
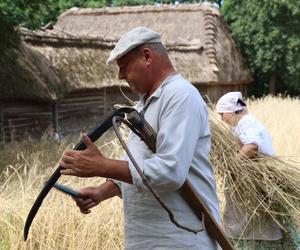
(251, 131)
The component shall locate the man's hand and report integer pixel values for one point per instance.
(90, 162)
(92, 196)
(83, 163)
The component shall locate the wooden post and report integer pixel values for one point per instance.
(55, 117)
(2, 130)
(57, 132)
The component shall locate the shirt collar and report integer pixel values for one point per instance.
(157, 93)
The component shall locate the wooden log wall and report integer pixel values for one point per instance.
(77, 111)
(212, 93)
(23, 119)
(80, 111)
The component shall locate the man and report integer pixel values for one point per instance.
(179, 116)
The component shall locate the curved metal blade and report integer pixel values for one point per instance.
(93, 135)
(39, 200)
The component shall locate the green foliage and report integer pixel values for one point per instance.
(268, 34)
(8, 33)
(131, 2)
(23, 12)
(18, 13)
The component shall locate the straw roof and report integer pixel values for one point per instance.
(75, 49)
(20, 76)
(195, 34)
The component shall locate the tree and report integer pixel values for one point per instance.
(27, 13)
(33, 14)
(268, 34)
(8, 33)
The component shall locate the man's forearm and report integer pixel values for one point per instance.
(109, 189)
(117, 170)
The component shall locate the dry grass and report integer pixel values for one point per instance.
(59, 225)
(282, 118)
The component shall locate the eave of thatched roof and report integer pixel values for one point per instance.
(79, 67)
(195, 35)
(21, 78)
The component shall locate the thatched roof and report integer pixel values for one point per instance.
(196, 35)
(197, 38)
(20, 76)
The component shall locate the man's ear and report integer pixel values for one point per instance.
(147, 55)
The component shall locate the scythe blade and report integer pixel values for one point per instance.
(94, 135)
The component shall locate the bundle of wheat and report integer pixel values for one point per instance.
(262, 184)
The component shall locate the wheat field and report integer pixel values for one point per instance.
(59, 224)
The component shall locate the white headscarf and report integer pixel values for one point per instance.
(231, 102)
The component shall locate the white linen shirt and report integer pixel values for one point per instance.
(179, 116)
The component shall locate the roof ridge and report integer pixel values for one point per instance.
(139, 9)
(210, 28)
(48, 36)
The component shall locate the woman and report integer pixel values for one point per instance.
(255, 139)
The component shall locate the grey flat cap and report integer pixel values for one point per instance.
(132, 39)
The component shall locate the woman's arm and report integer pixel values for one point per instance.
(248, 150)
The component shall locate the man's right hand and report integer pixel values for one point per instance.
(89, 197)
(92, 196)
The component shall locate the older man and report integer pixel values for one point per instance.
(178, 114)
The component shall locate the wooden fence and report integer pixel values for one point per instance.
(19, 119)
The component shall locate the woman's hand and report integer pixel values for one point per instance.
(249, 150)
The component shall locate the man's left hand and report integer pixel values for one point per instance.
(83, 163)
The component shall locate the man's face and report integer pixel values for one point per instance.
(132, 69)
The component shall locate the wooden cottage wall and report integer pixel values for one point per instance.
(76, 112)
(212, 92)
(116, 97)
(23, 119)
(82, 110)
(216, 91)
